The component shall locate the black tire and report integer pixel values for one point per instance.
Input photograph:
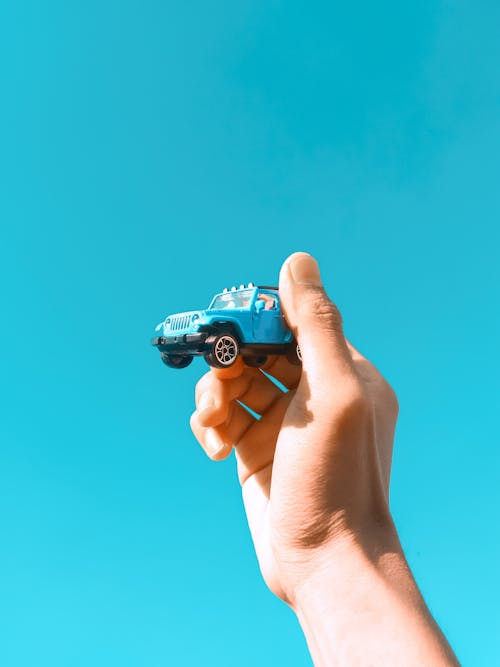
(256, 360)
(293, 355)
(223, 350)
(176, 360)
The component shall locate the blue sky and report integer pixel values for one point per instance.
(154, 152)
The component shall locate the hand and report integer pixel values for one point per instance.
(315, 467)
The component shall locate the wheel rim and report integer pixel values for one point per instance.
(299, 353)
(225, 350)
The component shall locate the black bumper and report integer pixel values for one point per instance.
(181, 344)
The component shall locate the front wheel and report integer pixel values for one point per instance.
(176, 360)
(224, 349)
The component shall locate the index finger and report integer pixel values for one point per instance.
(230, 373)
(207, 380)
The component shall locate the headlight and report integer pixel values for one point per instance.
(195, 317)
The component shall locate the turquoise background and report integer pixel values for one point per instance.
(153, 152)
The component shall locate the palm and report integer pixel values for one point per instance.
(280, 479)
(278, 474)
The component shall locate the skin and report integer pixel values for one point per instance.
(315, 472)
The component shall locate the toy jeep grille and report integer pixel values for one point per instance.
(179, 323)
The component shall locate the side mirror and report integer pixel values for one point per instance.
(259, 305)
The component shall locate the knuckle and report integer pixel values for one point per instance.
(205, 400)
(354, 405)
(203, 384)
(193, 423)
(390, 398)
(316, 304)
(354, 391)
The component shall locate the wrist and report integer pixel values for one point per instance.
(374, 552)
(361, 605)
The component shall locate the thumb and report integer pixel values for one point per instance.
(314, 319)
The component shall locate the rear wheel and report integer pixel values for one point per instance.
(255, 361)
(176, 360)
(224, 349)
(294, 354)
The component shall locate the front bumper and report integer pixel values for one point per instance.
(181, 343)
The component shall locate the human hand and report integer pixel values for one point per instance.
(315, 467)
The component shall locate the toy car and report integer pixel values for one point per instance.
(244, 321)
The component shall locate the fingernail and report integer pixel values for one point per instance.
(206, 402)
(213, 443)
(305, 271)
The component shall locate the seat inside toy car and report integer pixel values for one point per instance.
(269, 302)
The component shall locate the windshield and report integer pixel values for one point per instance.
(230, 300)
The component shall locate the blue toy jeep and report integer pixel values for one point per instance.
(244, 321)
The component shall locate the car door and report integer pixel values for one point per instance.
(268, 323)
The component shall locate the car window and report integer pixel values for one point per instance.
(229, 300)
